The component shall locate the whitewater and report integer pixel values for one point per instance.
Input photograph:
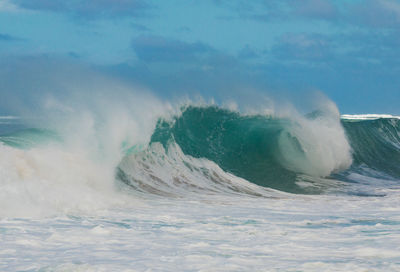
(138, 184)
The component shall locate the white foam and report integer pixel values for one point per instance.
(47, 181)
(174, 174)
(307, 233)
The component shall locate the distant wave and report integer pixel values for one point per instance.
(376, 146)
(8, 117)
(368, 116)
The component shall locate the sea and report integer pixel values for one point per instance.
(199, 187)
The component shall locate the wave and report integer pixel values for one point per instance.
(368, 116)
(197, 151)
(268, 151)
(8, 117)
(376, 146)
(29, 137)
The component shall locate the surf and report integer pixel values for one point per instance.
(84, 160)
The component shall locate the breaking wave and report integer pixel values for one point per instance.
(198, 151)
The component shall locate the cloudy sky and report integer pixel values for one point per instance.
(350, 50)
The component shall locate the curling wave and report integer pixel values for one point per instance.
(268, 151)
(203, 150)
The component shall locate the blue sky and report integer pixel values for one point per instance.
(216, 48)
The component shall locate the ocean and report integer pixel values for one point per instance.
(199, 188)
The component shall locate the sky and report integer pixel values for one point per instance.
(348, 50)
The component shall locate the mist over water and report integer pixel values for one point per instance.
(63, 154)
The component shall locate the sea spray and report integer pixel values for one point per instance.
(64, 158)
(315, 144)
